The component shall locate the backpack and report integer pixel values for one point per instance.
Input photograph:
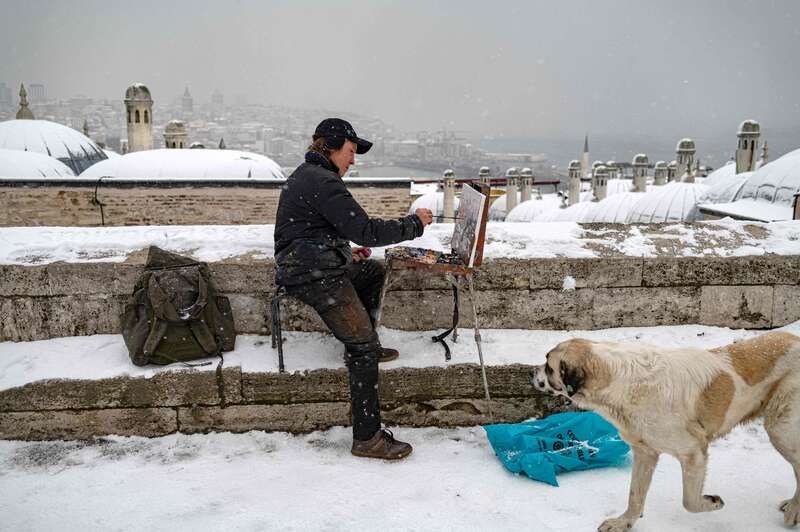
(175, 313)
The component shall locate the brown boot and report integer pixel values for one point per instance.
(388, 354)
(381, 445)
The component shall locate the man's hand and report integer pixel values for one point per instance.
(425, 215)
(360, 254)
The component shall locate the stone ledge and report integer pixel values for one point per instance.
(84, 424)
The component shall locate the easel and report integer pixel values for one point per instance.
(456, 272)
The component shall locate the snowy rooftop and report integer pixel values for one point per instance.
(17, 163)
(41, 245)
(673, 202)
(70, 147)
(195, 164)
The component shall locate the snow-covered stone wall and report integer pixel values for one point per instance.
(69, 299)
(118, 202)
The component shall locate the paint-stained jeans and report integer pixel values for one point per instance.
(347, 305)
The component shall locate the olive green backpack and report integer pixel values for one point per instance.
(175, 313)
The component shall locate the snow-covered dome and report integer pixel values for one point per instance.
(497, 210)
(197, 164)
(673, 202)
(17, 163)
(619, 186)
(138, 92)
(749, 127)
(723, 173)
(433, 201)
(613, 209)
(111, 154)
(640, 159)
(531, 210)
(724, 190)
(573, 213)
(71, 147)
(175, 127)
(685, 145)
(775, 182)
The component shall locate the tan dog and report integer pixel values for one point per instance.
(676, 401)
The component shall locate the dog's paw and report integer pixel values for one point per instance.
(616, 524)
(708, 503)
(791, 512)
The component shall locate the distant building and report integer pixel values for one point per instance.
(139, 107)
(187, 104)
(175, 135)
(37, 92)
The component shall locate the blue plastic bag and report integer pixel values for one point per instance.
(571, 441)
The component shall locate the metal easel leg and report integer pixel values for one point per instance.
(455, 282)
(478, 343)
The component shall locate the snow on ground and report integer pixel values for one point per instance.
(276, 481)
(105, 355)
(41, 245)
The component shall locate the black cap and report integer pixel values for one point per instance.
(333, 128)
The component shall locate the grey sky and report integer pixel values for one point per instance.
(532, 68)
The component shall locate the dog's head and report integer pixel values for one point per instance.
(572, 370)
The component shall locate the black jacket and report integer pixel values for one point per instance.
(318, 218)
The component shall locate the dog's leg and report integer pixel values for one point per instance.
(693, 467)
(644, 463)
(782, 423)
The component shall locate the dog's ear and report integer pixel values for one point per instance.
(571, 377)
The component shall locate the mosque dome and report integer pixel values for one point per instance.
(526, 172)
(18, 163)
(749, 127)
(660, 164)
(531, 210)
(640, 159)
(613, 209)
(611, 164)
(724, 190)
(573, 213)
(673, 202)
(434, 201)
(111, 154)
(512, 172)
(138, 92)
(175, 127)
(574, 165)
(193, 164)
(619, 186)
(685, 145)
(497, 210)
(776, 182)
(723, 173)
(69, 146)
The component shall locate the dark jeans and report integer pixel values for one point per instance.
(347, 305)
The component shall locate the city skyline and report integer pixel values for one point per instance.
(535, 69)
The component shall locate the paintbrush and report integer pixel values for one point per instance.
(448, 218)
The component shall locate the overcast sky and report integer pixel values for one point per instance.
(528, 68)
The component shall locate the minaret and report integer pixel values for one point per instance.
(221, 143)
(749, 133)
(526, 181)
(640, 164)
(660, 173)
(585, 156)
(672, 171)
(187, 104)
(512, 178)
(600, 180)
(685, 151)
(449, 203)
(575, 172)
(484, 176)
(139, 106)
(175, 135)
(24, 113)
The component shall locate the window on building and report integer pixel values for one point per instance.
(146, 117)
(129, 116)
(137, 116)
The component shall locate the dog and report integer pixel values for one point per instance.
(676, 401)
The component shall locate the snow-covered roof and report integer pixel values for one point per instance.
(434, 201)
(196, 164)
(16, 163)
(138, 92)
(723, 173)
(775, 182)
(69, 146)
(531, 210)
(573, 213)
(673, 202)
(750, 209)
(613, 209)
(724, 190)
(619, 186)
(497, 210)
(111, 153)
